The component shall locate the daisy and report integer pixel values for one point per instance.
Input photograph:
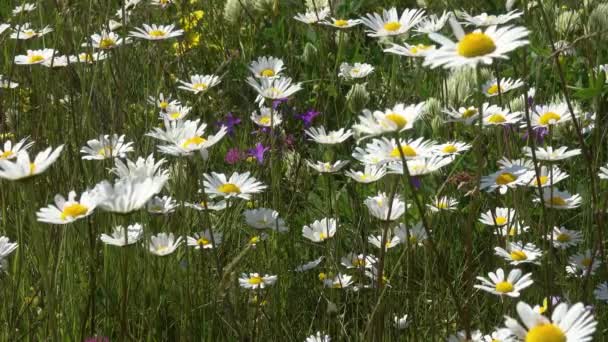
(547, 177)
(163, 103)
(10, 151)
(433, 23)
(392, 240)
(420, 166)
(497, 116)
(522, 162)
(273, 88)
(6, 84)
(370, 174)
(312, 17)
(354, 260)
(204, 240)
(161, 3)
(341, 23)
(255, 281)
(23, 167)
(340, 281)
(128, 194)
(461, 336)
(134, 233)
(106, 40)
(200, 83)
(239, 185)
(603, 174)
(320, 136)
(443, 203)
(556, 199)
(161, 205)
(582, 264)
(25, 32)
(35, 57)
(140, 169)
(400, 322)
(309, 265)
(26, 7)
(600, 292)
(320, 230)
(56, 61)
(475, 47)
(264, 218)
(266, 117)
(407, 50)
(549, 154)
(208, 205)
(467, 115)
(396, 119)
(6, 248)
(417, 234)
(491, 88)
(327, 167)
(107, 146)
(485, 19)
(85, 57)
(518, 253)
(500, 335)
(382, 151)
(266, 67)
(511, 230)
(163, 244)
(505, 178)
(175, 112)
(451, 148)
(390, 23)
(156, 32)
(4, 27)
(564, 238)
(510, 286)
(499, 217)
(68, 210)
(186, 137)
(379, 207)
(553, 114)
(566, 324)
(355, 71)
(318, 337)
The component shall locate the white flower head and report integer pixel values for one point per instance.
(163, 244)
(320, 230)
(134, 233)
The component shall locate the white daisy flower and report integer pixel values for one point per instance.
(355, 71)
(383, 151)
(239, 185)
(485, 19)
(444, 203)
(161, 3)
(341, 23)
(433, 23)
(273, 88)
(491, 88)
(370, 174)
(417, 234)
(23, 167)
(499, 217)
(35, 57)
(10, 151)
(461, 336)
(6, 84)
(107, 146)
(552, 114)
(556, 199)
(510, 286)
(582, 264)
(354, 260)
(209, 205)
(163, 103)
(318, 337)
(527, 164)
(548, 177)
(25, 32)
(327, 167)
(140, 169)
(320, 136)
(340, 281)
(266, 117)
(186, 137)
(505, 178)
(467, 115)
(204, 240)
(163, 244)
(309, 265)
(25, 8)
(475, 47)
(407, 50)
(392, 240)
(68, 210)
(379, 207)
(85, 57)
(128, 194)
(519, 253)
(400, 322)
(451, 148)
(497, 116)
(264, 218)
(156, 32)
(600, 292)
(312, 17)
(134, 233)
(549, 154)
(4, 27)
(390, 23)
(500, 335)
(161, 205)
(566, 324)
(6, 248)
(254, 281)
(106, 40)
(396, 119)
(420, 166)
(320, 230)
(603, 174)
(175, 112)
(267, 67)
(511, 230)
(564, 238)
(200, 83)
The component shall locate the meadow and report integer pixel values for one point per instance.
(303, 170)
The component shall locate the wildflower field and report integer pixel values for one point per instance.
(310, 170)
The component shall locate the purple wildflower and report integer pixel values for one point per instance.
(233, 156)
(276, 103)
(539, 134)
(308, 117)
(230, 121)
(258, 152)
(416, 183)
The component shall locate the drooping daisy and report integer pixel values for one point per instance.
(25, 8)
(418, 50)
(264, 218)
(444, 203)
(566, 324)
(23, 167)
(273, 88)
(68, 210)
(556, 199)
(451, 148)
(548, 177)
(497, 116)
(519, 253)
(475, 47)
(354, 260)
(485, 19)
(390, 23)
(499, 217)
(320, 230)
(161, 205)
(107, 146)
(128, 194)
(318, 337)
(106, 40)
(370, 174)
(491, 88)
(505, 178)
(582, 264)
(156, 32)
(420, 166)
(164, 244)
(266, 117)
(433, 23)
(10, 151)
(200, 83)
(134, 233)
(239, 185)
(339, 281)
(312, 17)
(392, 240)
(379, 207)
(552, 114)
(254, 281)
(383, 151)
(139, 169)
(327, 167)
(400, 322)
(175, 112)
(564, 238)
(355, 71)
(35, 57)
(320, 136)
(266, 67)
(25, 32)
(600, 292)
(549, 154)
(309, 265)
(467, 115)
(204, 239)
(510, 286)
(6, 248)
(417, 234)
(341, 23)
(396, 119)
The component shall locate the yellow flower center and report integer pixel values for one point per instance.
(549, 118)
(504, 287)
(494, 89)
(500, 220)
(229, 188)
(265, 120)
(542, 180)
(513, 231)
(442, 205)
(175, 116)
(6, 154)
(202, 241)
(563, 238)
(397, 119)
(475, 45)
(254, 240)
(469, 113)
(449, 149)
(413, 240)
(163, 104)
(32, 168)
(267, 73)
(106, 43)
(73, 210)
(557, 201)
(419, 48)
(200, 86)
(196, 140)
(392, 26)
(496, 118)
(340, 22)
(322, 276)
(407, 151)
(518, 255)
(586, 262)
(36, 59)
(322, 236)
(505, 178)
(358, 262)
(257, 280)
(157, 33)
(85, 57)
(546, 333)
